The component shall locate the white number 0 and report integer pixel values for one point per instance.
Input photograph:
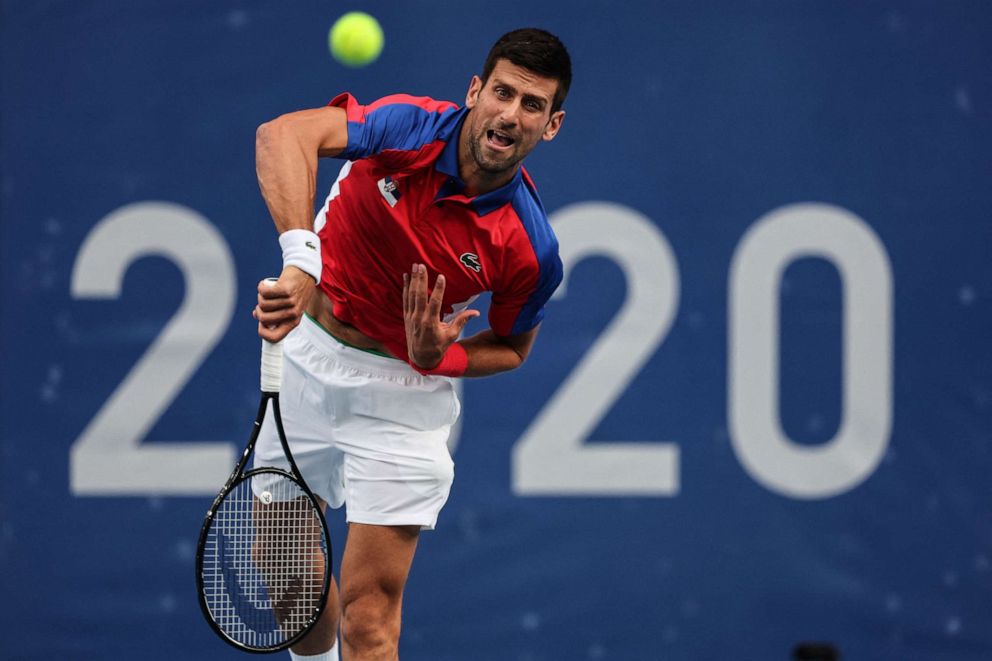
(767, 454)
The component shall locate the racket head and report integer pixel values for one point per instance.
(263, 562)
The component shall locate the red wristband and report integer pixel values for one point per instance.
(453, 363)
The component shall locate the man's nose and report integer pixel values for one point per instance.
(508, 114)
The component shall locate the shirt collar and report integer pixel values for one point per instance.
(447, 163)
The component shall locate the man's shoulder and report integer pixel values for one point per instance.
(422, 102)
(345, 99)
(396, 123)
(527, 205)
(526, 209)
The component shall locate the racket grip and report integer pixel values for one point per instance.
(271, 366)
(271, 371)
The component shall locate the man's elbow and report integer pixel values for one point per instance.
(268, 133)
(322, 132)
(518, 357)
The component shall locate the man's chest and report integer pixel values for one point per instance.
(422, 217)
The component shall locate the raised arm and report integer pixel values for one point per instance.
(286, 153)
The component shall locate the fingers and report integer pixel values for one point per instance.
(418, 304)
(291, 285)
(457, 324)
(418, 290)
(280, 303)
(274, 305)
(273, 296)
(273, 326)
(415, 292)
(275, 317)
(274, 333)
(437, 296)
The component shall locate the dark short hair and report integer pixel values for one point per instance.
(537, 50)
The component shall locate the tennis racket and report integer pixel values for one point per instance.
(263, 562)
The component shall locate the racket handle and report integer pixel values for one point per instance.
(271, 366)
(271, 371)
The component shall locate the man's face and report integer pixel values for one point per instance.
(510, 114)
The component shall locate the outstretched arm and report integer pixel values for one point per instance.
(429, 339)
(286, 153)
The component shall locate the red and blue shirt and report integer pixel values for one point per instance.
(399, 200)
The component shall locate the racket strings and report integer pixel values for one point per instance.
(265, 562)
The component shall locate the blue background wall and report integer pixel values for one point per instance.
(759, 413)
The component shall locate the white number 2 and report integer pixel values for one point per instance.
(552, 457)
(108, 457)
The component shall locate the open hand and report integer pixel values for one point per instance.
(427, 337)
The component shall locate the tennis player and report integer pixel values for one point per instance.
(431, 208)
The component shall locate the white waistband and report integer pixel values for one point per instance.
(346, 355)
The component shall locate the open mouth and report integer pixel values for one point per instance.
(498, 139)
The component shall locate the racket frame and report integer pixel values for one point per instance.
(237, 476)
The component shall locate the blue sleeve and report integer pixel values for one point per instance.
(394, 123)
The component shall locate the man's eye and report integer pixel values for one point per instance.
(502, 93)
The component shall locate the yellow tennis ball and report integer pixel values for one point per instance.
(355, 39)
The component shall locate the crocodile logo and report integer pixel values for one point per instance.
(471, 260)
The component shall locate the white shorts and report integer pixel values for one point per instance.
(365, 430)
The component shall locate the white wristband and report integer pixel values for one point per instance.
(301, 248)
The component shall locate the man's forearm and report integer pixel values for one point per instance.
(488, 354)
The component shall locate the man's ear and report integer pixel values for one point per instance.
(474, 87)
(554, 125)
